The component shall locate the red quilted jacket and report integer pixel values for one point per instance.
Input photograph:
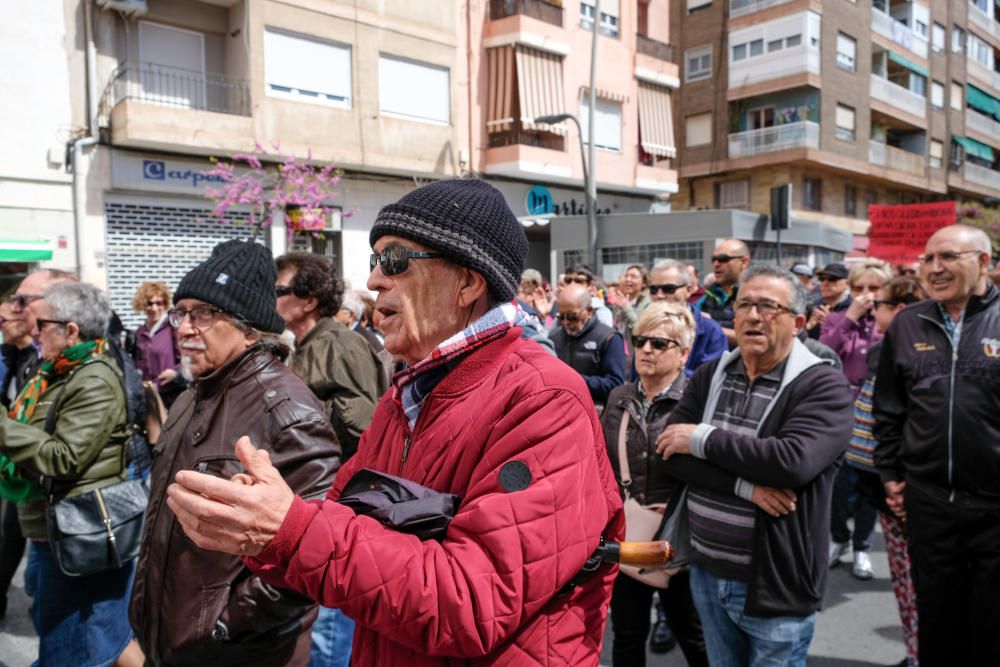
(487, 594)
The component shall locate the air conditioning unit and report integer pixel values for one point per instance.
(133, 8)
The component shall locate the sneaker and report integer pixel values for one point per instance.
(862, 566)
(661, 639)
(837, 549)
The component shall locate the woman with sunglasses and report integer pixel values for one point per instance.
(851, 333)
(69, 426)
(154, 348)
(889, 300)
(662, 339)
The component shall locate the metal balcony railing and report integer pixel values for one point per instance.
(650, 47)
(804, 134)
(741, 7)
(543, 10)
(899, 97)
(985, 176)
(896, 158)
(176, 88)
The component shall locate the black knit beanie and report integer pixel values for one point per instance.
(466, 220)
(239, 278)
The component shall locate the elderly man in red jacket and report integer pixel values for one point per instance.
(478, 412)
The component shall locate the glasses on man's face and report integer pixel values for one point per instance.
(666, 289)
(766, 309)
(946, 257)
(570, 317)
(579, 280)
(22, 300)
(202, 317)
(823, 278)
(396, 259)
(723, 259)
(40, 322)
(659, 344)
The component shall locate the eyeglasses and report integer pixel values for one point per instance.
(579, 280)
(155, 302)
(41, 322)
(22, 300)
(945, 257)
(202, 317)
(570, 317)
(877, 303)
(722, 259)
(659, 344)
(666, 289)
(396, 259)
(284, 290)
(823, 278)
(766, 309)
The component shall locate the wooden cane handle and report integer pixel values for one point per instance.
(645, 554)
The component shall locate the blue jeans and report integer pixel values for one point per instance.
(734, 639)
(332, 635)
(80, 621)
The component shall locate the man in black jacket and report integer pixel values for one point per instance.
(773, 414)
(937, 422)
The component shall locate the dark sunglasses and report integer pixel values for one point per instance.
(659, 344)
(823, 278)
(579, 280)
(569, 317)
(722, 259)
(22, 300)
(666, 289)
(41, 322)
(155, 302)
(396, 259)
(285, 290)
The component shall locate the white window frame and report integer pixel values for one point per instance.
(698, 53)
(847, 52)
(938, 37)
(405, 107)
(610, 20)
(846, 121)
(607, 123)
(957, 40)
(339, 95)
(734, 194)
(698, 117)
(935, 154)
(957, 96)
(937, 95)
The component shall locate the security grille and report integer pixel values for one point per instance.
(158, 242)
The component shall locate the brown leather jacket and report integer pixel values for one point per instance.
(196, 607)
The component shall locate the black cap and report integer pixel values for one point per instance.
(239, 278)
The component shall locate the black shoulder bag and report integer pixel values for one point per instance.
(98, 530)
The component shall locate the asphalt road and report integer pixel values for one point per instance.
(859, 625)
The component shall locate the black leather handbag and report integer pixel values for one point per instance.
(98, 530)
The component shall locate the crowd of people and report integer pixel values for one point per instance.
(782, 413)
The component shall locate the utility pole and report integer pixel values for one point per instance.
(592, 184)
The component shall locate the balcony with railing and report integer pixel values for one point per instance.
(986, 75)
(653, 48)
(548, 12)
(154, 106)
(896, 158)
(982, 124)
(983, 20)
(804, 134)
(743, 7)
(899, 33)
(897, 96)
(984, 176)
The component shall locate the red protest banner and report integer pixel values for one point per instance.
(899, 233)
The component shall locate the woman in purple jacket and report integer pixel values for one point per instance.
(154, 349)
(851, 333)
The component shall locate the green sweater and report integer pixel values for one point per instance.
(86, 450)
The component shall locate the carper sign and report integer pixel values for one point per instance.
(898, 234)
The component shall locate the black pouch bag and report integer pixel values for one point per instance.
(400, 504)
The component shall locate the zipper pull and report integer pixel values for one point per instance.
(406, 448)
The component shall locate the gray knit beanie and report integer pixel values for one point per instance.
(239, 278)
(466, 220)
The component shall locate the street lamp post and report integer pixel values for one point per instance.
(588, 193)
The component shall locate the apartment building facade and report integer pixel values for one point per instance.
(394, 93)
(851, 102)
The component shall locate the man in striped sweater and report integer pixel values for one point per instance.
(774, 419)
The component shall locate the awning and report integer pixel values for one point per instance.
(539, 88)
(912, 66)
(656, 124)
(975, 148)
(500, 105)
(25, 251)
(983, 101)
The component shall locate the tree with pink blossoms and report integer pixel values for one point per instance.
(266, 184)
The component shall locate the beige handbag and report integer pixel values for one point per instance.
(642, 522)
